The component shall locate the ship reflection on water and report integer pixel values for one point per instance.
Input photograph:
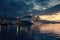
(14, 32)
(17, 32)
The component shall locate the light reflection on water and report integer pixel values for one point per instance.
(32, 32)
(0, 27)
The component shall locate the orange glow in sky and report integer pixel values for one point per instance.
(51, 17)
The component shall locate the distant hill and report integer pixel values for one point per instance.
(48, 22)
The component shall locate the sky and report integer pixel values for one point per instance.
(54, 17)
(41, 4)
(13, 8)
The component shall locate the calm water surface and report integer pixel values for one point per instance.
(17, 32)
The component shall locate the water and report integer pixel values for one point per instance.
(17, 32)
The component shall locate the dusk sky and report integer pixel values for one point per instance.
(14, 8)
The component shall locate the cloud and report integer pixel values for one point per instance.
(52, 10)
(53, 17)
(21, 7)
(39, 7)
(53, 3)
(11, 8)
(40, 4)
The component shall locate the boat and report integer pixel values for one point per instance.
(26, 20)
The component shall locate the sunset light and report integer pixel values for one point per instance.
(29, 19)
(53, 17)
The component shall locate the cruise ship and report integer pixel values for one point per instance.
(26, 20)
